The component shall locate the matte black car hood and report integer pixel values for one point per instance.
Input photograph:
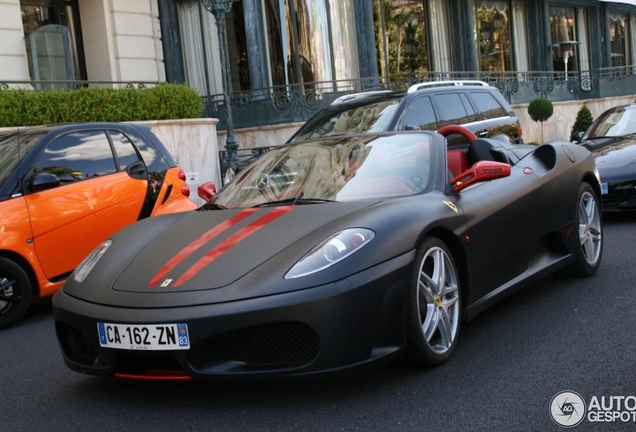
(613, 152)
(207, 250)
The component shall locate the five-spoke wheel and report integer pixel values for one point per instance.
(589, 219)
(434, 306)
(590, 233)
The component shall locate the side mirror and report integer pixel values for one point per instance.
(479, 172)
(579, 136)
(207, 191)
(42, 181)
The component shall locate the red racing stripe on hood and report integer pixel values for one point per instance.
(198, 242)
(231, 241)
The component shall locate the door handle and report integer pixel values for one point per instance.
(137, 171)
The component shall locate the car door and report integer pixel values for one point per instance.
(419, 114)
(98, 194)
(454, 108)
(496, 120)
(504, 219)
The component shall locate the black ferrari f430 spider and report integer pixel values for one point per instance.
(332, 254)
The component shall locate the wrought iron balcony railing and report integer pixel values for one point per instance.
(297, 102)
(71, 85)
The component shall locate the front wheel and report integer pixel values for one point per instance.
(590, 233)
(15, 292)
(433, 310)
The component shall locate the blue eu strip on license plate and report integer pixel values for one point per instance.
(604, 190)
(156, 337)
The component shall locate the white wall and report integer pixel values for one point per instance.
(559, 126)
(13, 59)
(193, 143)
(122, 40)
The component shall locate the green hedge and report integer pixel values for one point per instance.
(91, 104)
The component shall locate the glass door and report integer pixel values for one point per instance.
(53, 42)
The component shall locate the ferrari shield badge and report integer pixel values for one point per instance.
(165, 283)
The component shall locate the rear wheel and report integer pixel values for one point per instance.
(15, 292)
(590, 230)
(433, 310)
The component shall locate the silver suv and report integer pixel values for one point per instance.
(425, 106)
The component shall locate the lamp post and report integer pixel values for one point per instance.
(219, 8)
(566, 48)
(410, 46)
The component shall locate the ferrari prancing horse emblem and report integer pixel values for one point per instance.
(452, 206)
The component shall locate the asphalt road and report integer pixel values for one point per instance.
(556, 335)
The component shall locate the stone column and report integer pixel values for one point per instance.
(13, 56)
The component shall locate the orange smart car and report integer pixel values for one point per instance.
(64, 189)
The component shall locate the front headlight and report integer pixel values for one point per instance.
(331, 251)
(89, 262)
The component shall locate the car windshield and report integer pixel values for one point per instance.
(615, 122)
(346, 169)
(369, 118)
(13, 147)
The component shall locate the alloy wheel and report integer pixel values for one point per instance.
(589, 228)
(8, 296)
(438, 300)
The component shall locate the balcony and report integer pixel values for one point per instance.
(296, 103)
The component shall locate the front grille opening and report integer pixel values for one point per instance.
(621, 194)
(281, 344)
(269, 346)
(75, 345)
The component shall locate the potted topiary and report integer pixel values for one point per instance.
(583, 121)
(540, 110)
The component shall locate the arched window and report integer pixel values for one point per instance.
(565, 43)
(494, 38)
(311, 41)
(403, 36)
(619, 40)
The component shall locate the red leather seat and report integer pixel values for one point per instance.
(457, 162)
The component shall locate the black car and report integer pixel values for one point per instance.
(424, 106)
(332, 254)
(612, 140)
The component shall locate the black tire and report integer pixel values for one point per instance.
(589, 248)
(15, 292)
(433, 307)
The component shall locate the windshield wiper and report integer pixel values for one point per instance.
(212, 206)
(294, 201)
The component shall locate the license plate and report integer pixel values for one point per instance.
(604, 190)
(155, 337)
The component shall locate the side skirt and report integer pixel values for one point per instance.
(545, 266)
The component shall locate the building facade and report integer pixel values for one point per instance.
(287, 58)
(68, 40)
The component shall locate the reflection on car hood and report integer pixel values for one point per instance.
(613, 152)
(211, 249)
